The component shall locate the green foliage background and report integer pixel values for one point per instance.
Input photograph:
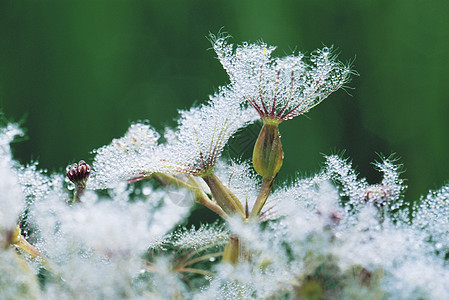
(78, 72)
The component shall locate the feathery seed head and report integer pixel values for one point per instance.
(202, 134)
(280, 88)
(127, 158)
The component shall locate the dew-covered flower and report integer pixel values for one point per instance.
(11, 196)
(432, 216)
(332, 235)
(386, 194)
(280, 88)
(202, 134)
(126, 158)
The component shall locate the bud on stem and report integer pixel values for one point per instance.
(267, 161)
(268, 154)
(232, 250)
(78, 175)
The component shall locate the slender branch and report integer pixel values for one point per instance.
(20, 242)
(224, 197)
(203, 199)
(200, 197)
(196, 271)
(201, 258)
(166, 179)
(264, 192)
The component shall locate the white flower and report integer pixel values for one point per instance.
(280, 88)
(11, 196)
(126, 158)
(202, 134)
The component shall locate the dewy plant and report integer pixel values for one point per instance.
(118, 233)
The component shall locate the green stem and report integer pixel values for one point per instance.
(264, 192)
(196, 271)
(20, 242)
(166, 180)
(78, 192)
(224, 197)
(201, 258)
(200, 197)
(213, 206)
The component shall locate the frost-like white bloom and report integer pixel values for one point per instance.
(126, 158)
(105, 226)
(204, 237)
(11, 196)
(17, 281)
(432, 216)
(202, 134)
(280, 88)
(11, 199)
(386, 194)
(95, 245)
(301, 195)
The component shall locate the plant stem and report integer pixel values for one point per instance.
(264, 192)
(20, 242)
(213, 206)
(201, 258)
(165, 180)
(224, 197)
(196, 271)
(78, 192)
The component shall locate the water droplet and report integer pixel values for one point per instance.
(146, 190)
(71, 186)
(212, 259)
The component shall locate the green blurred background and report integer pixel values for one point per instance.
(79, 72)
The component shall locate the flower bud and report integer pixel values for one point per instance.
(268, 154)
(231, 251)
(78, 173)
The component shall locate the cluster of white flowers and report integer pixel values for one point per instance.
(329, 236)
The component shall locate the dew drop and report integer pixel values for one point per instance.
(71, 186)
(212, 259)
(146, 190)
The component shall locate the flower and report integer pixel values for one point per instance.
(202, 134)
(280, 88)
(127, 158)
(11, 195)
